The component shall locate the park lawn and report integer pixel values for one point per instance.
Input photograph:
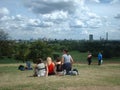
(78, 57)
(94, 77)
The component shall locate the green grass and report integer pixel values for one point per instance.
(77, 56)
(82, 58)
(8, 60)
(105, 77)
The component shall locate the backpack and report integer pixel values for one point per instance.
(21, 67)
(74, 72)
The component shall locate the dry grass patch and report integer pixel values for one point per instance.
(92, 88)
(94, 77)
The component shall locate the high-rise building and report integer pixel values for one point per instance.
(106, 35)
(90, 37)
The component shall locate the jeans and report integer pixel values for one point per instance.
(67, 67)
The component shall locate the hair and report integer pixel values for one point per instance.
(39, 60)
(65, 50)
(58, 59)
(49, 60)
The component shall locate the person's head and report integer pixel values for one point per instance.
(39, 60)
(49, 60)
(58, 59)
(65, 51)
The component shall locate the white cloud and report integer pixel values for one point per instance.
(58, 15)
(92, 15)
(34, 22)
(94, 23)
(4, 18)
(46, 7)
(103, 1)
(97, 1)
(3, 11)
(115, 1)
(77, 24)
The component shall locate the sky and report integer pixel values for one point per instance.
(60, 19)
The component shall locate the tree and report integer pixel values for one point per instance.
(4, 44)
(39, 49)
(3, 35)
(21, 51)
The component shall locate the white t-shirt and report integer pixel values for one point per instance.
(67, 58)
(41, 69)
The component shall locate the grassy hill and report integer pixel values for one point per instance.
(94, 77)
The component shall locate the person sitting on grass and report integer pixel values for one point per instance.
(58, 66)
(39, 69)
(28, 65)
(50, 67)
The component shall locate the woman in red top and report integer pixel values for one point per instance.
(50, 67)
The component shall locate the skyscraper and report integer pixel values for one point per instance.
(90, 37)
(106, 35)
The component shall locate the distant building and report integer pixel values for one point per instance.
(106, 35)
(90, 37)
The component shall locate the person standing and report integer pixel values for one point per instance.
(99, 58)
(89, 58)
(67, 62)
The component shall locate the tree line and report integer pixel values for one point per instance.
(31, 49)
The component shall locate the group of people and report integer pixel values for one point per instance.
(62, 66)
(89, 58)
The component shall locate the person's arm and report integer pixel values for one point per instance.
(62, 61)
(54, 68)
(71, 60)
(46, 70)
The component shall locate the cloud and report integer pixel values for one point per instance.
(3, 11)
(117, 16)
(45, 6)
(115, 1)
(94, 23)
(103, 1)
(57, 19)
(75, 13)
(77, 24)
(96, 1)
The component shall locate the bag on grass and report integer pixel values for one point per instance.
(21, 67)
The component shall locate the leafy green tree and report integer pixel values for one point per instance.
(3, 35)
(21, 51)
(39, 49)
(6, 46)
